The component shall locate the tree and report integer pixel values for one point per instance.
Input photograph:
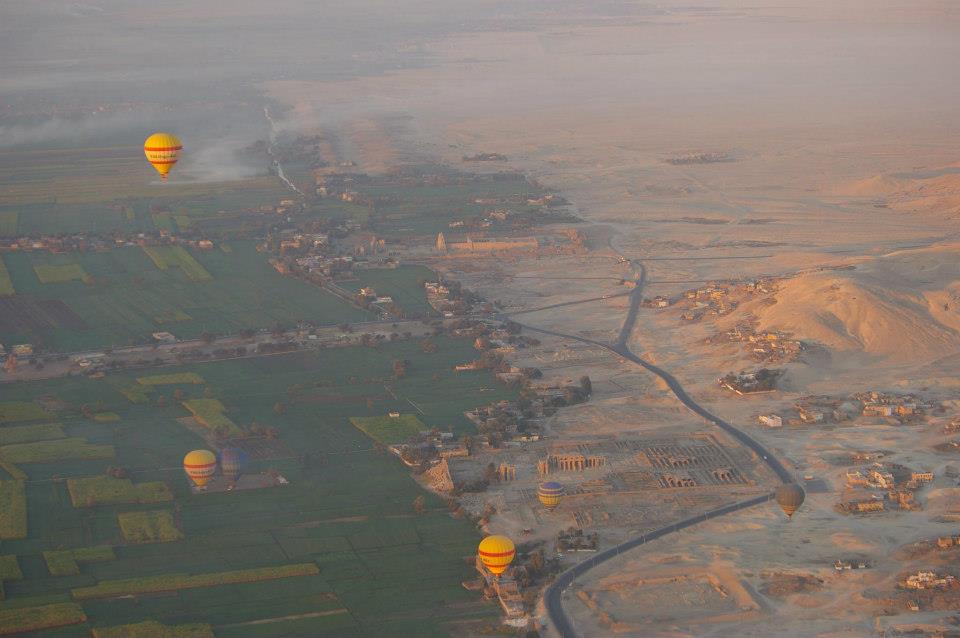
(178, 394)
(399, 368)
(420, 505)
(586, 385)
(490, 473)
(207, 337)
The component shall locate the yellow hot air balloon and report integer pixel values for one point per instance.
(550, 494)
(496, 553)
(790, 497)
(162, 150)
(200, 466)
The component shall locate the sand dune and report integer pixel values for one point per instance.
(931, 191)
(903, 307)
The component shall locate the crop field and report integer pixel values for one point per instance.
(55, 450)
(171, 379)
(363, 562)
(129, 298)
(13, 510)
(166, 256)
(6, 285)
(66, 562)
(111, 189)
(61, 273)
(31, 433)
(104, 490)
(429, 209)
(12, 411)
(148, 527)
(152, 629)
(403, 284)
(8, 222)
(387, 429)
(210, 414)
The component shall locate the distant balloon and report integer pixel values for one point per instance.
(200, 466)
(790, 497)
(162, 150)
(233, 461)
(496, 553)
(550, 494)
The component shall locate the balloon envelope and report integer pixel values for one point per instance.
(790, 497)
(496, 553)
(162, 151)
(233, 461)
(550, 494)
(200, 466)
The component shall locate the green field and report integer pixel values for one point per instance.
(171, 379)
(111, 189)
(60, 273)
(106, 490)
(13, 510)
(389, 430)
(210, 414)
(166, 256)
(31, 433)
(8, 222)
(348, 509)
(173, 582)
(129, 298)
(65, 562)
(153, 629)
(6, 284)
(23, 619)
(55, 450)
(148, 527)
(404, 284)
(12, 411)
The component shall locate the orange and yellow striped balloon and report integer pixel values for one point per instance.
(162, 150)
(496, 553)
(200, 466)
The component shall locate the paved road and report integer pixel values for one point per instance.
(553, 595)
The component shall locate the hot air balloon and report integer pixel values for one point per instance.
(790, 497)
(162, 150)
(200, 466)
(550, 494)
(496, 553)
(232, 462)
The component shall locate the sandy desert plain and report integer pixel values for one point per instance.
(847, 203)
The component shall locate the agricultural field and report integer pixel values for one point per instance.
(13, 510)
(404, 284)
(128, 297)
(152, 629)
(430, 208)
(6, 284)
(61, 273)
(338, 551)
(210, 414)
(177, 256)
(389, 430)
(149, 527)
(66, 562)
(113, 189)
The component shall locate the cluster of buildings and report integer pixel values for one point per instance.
(815, 410)
(764, 346)
(762, 380)
(899, 483)
(928, 580)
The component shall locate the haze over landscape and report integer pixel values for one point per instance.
(588, 288)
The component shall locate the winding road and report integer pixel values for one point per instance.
(553, 595)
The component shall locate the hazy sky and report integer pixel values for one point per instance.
(193, 59)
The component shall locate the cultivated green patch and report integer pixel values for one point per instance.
(65, 562)
(31, 433)
(12, 411)
(387, 429)
(13, 510)
(55, 450)
(153, 629)
(173, 582)
(106, 490)
(23, 619)
(149, 527)
(171, 379)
